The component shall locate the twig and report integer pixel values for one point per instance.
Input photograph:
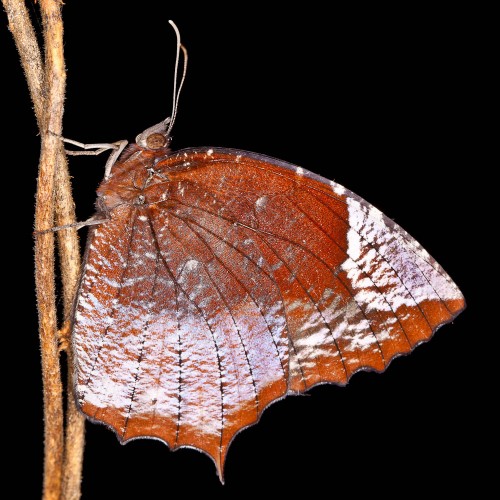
(31, 60)
(55, 78)
(48, 104)
(69, 260)
(70, 268)
(24, 37)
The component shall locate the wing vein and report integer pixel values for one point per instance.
(273, 279)
(113, 309)
(339, 198)
(226, 304)
(364, 274)
(371, 245)
(141, 351)
(200, 312)
(228, 244)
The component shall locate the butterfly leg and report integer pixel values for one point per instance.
(98, 148)
(93, 221)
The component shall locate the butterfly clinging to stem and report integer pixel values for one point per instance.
(217, 281)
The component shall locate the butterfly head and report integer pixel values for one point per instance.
(155, 137)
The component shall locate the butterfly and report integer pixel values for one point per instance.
(217, 281)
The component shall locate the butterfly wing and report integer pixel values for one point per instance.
(241, 280)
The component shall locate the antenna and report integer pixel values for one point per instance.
(161, 128)
(177, 92)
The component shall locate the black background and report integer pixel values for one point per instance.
(375, 99)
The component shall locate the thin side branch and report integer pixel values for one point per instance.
(31, 60)
(69, 255)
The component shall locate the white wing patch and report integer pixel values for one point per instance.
(420, 278)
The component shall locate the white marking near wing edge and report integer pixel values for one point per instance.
(393, 260)
(337, 188)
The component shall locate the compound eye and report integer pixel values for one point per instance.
(156, 141)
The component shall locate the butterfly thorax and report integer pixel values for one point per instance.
(132, 178)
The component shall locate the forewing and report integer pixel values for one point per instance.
(357, 290)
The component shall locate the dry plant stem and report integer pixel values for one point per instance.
(44, 276)
(29, 52)
(31, 62)
(67, 239)
(74, 443)
(69, 256)
(48, 104)
(69, 259)
(55, 78)
(23, 33)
